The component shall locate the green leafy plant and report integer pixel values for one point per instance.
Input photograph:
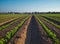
(12, 32)
(49, 32)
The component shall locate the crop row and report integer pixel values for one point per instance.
(54, 18)
(50, 20)
(7, 17)
(49, 32)
(12, 32)
(52, 23)
(56, 25)
(9, 23)
(53, 28)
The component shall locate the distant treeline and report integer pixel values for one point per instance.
(50, 13)
(44, 13)
(30, 13)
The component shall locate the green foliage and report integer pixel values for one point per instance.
(4, 26)
(2, 41)
(52, 23)
(7, 17)
(12, 32)
(8, 35)
(55, 17)
(49, 32)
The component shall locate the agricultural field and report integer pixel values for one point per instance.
(29, 29)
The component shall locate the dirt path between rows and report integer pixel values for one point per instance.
(36, 34)
(51, 27)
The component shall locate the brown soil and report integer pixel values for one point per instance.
(51, 27)
(36, 34)
(4, 31)
(20, 36)
(30, 33)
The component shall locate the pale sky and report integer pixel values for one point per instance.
(29, 5)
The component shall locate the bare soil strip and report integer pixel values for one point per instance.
(51, 27)
(36, 34)
(4, 31)
(20, 36)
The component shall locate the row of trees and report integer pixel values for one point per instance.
(35, 12)
(32, 12)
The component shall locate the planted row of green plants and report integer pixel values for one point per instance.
(7, 17)
(49, 32)
(58, 26)
(12, 32)
(6, 25)
(54, 18)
